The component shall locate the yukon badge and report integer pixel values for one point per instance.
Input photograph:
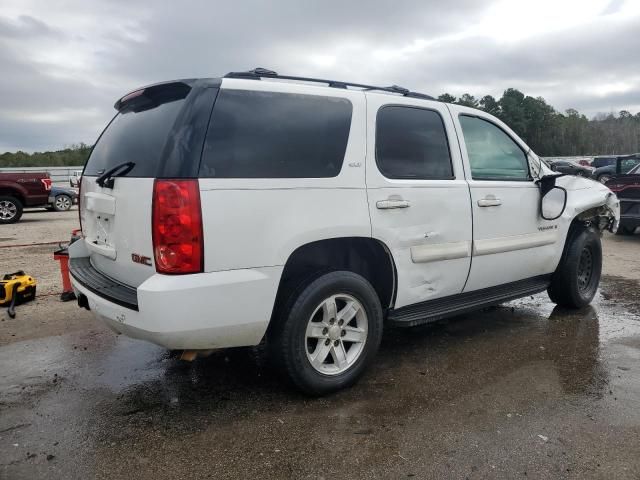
(141, 259)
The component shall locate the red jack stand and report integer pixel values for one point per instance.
(62, 255)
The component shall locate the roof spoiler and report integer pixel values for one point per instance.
(154, 95)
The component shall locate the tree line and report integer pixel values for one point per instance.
(548, 132)
(74, 155)
(551, 133)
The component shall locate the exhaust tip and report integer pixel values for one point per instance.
(191, 355)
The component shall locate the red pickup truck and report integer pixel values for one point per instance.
(19, 190)
(627, 187)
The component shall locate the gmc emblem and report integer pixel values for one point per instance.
(141, 259)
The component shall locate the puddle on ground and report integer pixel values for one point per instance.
(524, 366)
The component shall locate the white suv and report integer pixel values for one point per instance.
(310, 213)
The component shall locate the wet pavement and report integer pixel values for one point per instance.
(520, 390)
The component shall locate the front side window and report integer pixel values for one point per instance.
(493, 154)
(411, 143)
(276, 135)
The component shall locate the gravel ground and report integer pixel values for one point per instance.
(47, 315)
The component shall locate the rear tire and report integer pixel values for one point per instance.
(62, 203)
(576, 280)
(327, 332)
(10, 209)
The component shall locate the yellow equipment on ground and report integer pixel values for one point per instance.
(16, 288)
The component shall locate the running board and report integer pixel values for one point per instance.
(440, 308)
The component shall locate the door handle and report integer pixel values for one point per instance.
(391, 204)
(489, 201)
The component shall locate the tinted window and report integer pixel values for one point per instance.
(276, 135)
(135, 136)
(493, 154)
(412, 143)
(603, 161)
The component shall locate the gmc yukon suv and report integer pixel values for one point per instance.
(19, 190)
(309, 213)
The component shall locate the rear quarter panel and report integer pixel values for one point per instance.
(260, 222)
(27, 186)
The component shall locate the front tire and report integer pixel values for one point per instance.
(10, 209)
(576, 280)
(604, 178)
(328, 332)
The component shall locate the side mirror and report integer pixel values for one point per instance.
(553, 203)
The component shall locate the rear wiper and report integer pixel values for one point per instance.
(107, 179)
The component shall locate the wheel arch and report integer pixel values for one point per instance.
(365, 256)
(13, 192)
(598, 218)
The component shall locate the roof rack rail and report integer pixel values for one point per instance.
(259, 73)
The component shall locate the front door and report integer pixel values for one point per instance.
(418, 197)
(510, 240)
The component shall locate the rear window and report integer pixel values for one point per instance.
(411, 143)
(138, 135)
(603, 161)
(276, 135)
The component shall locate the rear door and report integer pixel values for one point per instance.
(161, 130)
(418, 197)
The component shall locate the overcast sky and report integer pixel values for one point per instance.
(63, 63)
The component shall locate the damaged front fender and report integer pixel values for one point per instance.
(591, 203)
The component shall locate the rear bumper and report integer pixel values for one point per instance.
(201, 311)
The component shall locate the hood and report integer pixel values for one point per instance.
(572, 182)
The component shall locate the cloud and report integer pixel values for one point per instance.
(65, 63)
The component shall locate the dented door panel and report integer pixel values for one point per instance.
(426, 224)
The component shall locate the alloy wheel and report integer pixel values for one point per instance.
(63, 202)
(336, 334)
(8, 210)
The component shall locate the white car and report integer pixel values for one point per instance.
(310, 213)
(74, 179)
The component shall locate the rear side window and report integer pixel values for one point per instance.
(493, 154)
(412, 143)
(276, 135)
(138, 135)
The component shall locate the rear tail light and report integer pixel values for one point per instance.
(47, 183)
(80, 203)
(177, 227)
